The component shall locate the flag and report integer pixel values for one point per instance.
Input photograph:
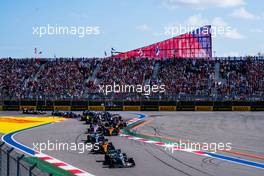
(140, 52)
(113, 51)
(157, 51)
(36, 56)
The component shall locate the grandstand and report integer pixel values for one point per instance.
(78, 78)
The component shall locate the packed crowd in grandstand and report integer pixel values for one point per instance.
(62, 78)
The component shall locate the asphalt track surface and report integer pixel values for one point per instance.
(244, 129)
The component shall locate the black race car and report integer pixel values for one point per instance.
(67, 114)
(58, 113)
(94, 138)
(117, 159)
(34, 112)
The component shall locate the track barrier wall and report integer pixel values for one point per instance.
(204, 108)
(96, 108)
(167, 108)
(113, 108)
(241, 108)
(10, 108)
(149, 108)
(27, 107)
(14, 164)
(62, 108)
(132, 106)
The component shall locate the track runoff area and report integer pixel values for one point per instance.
(161, 143)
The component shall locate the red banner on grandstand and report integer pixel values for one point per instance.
(195, 44)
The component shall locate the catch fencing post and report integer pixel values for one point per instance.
(31, 168)
(1, 145)
(8, 163)
(18, 164)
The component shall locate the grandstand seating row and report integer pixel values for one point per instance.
(63, 78)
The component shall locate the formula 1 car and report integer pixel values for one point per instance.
(111, 131)
(65, 114)
(89, 117)
(116, 159)
(34, 112)
(104, 129)
(58, 113)
(71, 115)
(86, 112)
(104, 147)
(94, 138)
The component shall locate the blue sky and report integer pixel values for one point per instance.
(126, 25)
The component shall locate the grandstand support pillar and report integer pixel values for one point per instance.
(8, 161)
(31, 168)
(18, 164)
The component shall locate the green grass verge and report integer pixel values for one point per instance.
(47, 167)
(128, 131)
